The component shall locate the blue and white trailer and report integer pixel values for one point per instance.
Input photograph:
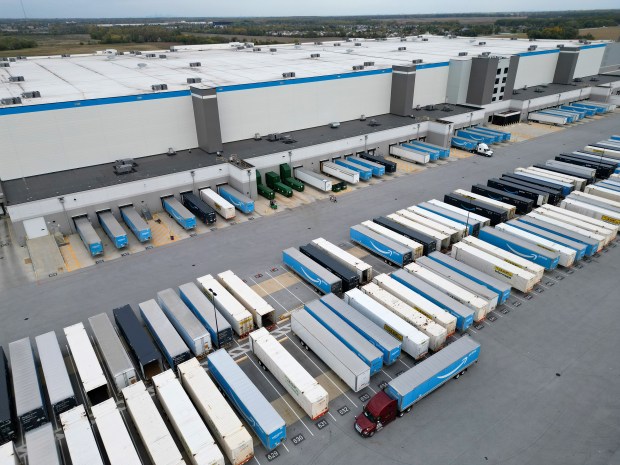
(247, 399)
(377, 169)
(582, 112)
(464, 144)
(541, 256)
(504, 136)
(569, 118)
(615, 138)
(586, 111)
(464, 316)
(475, 275)
(388, 345)
(136, 223)
(241, 202)
(592, 245)
(432, 153)
(381, 245)
(495, 138)
(89, 236)
(354, 341)
(576, 115)
(113, 229)
(410, 154)
(579, 248)
(543, 117)
(481, 138)
(365, 173)
(176, 210)
(472, 225)
(444, 152)
(594, 108)
(311, 272)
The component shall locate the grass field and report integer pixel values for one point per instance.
(602, 33)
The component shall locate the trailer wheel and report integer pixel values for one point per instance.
(458, 375)
(400, 414)
(408, 409)
(371, 434)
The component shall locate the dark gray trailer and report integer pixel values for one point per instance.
(428, 243)
(522, 204)
(199, 208)
(537, 196)
(495, 214)
(349, 279)
(8, 427)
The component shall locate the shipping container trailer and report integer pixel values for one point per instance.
(464, 315)
(478, 138)
(612, 228)
(79, 437)
(311, 272)
(511, 209)
(483, 220)
(113, 229)
(538, 183)
(241, 202)
(552, 196)
(489, 296)
(538, 197)
(579, 248)
(316, 180)
(387, 344)
(201, 209)
(168, 340)
(415, 384)
(494, 138)
(115, 357)
(571, 117)
(87, 364)
(444, 152)
(610, 159)
(287, 178)
(115, 438)
(443, 230)
(223, 422)
(600, 213)
(542, 117)
(413, 341)
(549, 259)
(356, 343)
(364, 173)
(610, 185)
(569, 168)
(595, 200)
(29, 403)
(156, 439)
(432, 153)
(496, 285)
(595, 108)
(273, 181)
(89, 236)
(506, 256)
(614, 138)
(300, 385)
(610, 142)
(471, 225)
(219, 329)
(8, 454)
(523, 205)
(363, 269)
(8, 426)
(582, 112)
(380, 245)
(390, 166)
(263, 312)
(505, 136)
(565, 187)
(416, 248)
(377, 169)
(146, 355)
(463, 144)
(249, 401)
(459, 228)
(603, 168)
(222, 206)
(233, 311)
(57, 383)
(518, 278)
(136, 223)
(576, 182)
(602, 149)
(417, 302)
(348, 366)
(594, 241)
(262, 189)
(567, 255)
(349, 278)
(186, 422)
(41, 445)
(409, 154)
(436, 334)
(605, 231)
(340, 172)
(178, 212)
(185, 322)
(429, 243)
(495, 214)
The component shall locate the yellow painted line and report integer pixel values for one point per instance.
(70, 258)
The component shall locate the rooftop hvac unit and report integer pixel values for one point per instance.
(513, 38)
(336, 44)
(150, 55)
(11, 101)
(358, 44)
(532, 40)
(195, 64)
(400, 49)
(318, 43)
(120, 53)
(594, 78)
(21, 57)
(485, 54)
(16, 78)
(544, 86)
(403, 39)
(65, 55)
(273, 50)
(538, 90)
(126, 161)
(137, 52)
(194, 80)
(257, 136)
(240, 47)
(362, 117)
(358, 67)
(515, 92)
(4, 59)
(249, 44)
(418, 107)
(560, 45)
(123, 169)
(430, 107)
(349, 50)
(171, 151)
(5, 64)
(446, 108)
(256, 49)
(417, 61)
(578, 80)
(31, 94)
(288, 75)
(274, 137)
(369, 63)
(482, 43)
(315, 55)
(156, 87)
(334, 125)
(142, 65)
(162, 56)
(531, 48)
(462, 54)
(425, 39)
(373, 123)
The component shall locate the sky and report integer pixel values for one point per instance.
(219, 8)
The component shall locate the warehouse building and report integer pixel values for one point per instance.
(202, 116)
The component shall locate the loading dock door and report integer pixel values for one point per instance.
(35, 227)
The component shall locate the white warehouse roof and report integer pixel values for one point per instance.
(84, 77)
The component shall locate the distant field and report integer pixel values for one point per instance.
(602, 33)
(462, 20)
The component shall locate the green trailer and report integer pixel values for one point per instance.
(273, 181)
(289, 180)
(263, 190)
(339, 186)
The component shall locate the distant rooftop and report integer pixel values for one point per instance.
(533, 92)
(102, 75)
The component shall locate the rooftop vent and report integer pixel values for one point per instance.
(65, 55)
(318, 43)
(515, 92)
(315, 55)
(195, 64)
(142, 65)
(137, 52)
(403, 39)
(126, 161)
(362, 117)
(447, 108)
(400, 49)
(162, 56)
(482, 43)
(369, 63)
(531, 48)
(594, 78)
(274, 137)
(334, 125)
(485, 54)
(417, 61)
(257, 49)
(4, 59)
(425, 39)
(158, 87)
(16, 79)
(240, 47)
(120, 53)
(560, 45)
(513, 38)
(462, 54)
(288, 75)
(150, 55)
(373, 123)
(21, 57)
(11, 101)
(273, 50)
(123, 169)
(287, 139)
(257, 136)
(5, 64)
(336, 44)
(171, 151)
(539, 90)
(31, 94)
(430, 107)
(358, 67)
(358, 44)
(194, 80)
(578, 80)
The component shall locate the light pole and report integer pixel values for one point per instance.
(217, 330)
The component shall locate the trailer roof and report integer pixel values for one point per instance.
(86, 362)
(53, 366)
(26, 385)
(136, 336)
(171, 301)
(163, 329)
(112, 349)
(41, 444)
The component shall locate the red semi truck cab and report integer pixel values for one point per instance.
(380, 410)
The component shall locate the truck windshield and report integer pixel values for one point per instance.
(370, 416)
